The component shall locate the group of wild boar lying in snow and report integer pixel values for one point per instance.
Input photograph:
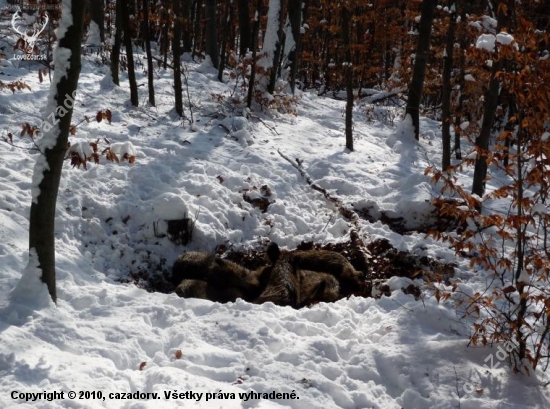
(297, 279)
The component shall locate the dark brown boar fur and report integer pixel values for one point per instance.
(282, 284)
(202, 289)
(317, 287)
(215, 271)
(330, 262)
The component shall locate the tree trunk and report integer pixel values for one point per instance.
(225, 34)
(115, 53)
(165, 39)
(420, 62)
(129, 53)
(186, 35)
(348, 68)
(295, 17)
(97, 11)
(212, 32)
(54, 146)
(197, 6)
(147, 40)
(277, 54)
(255, 33)
(446, 93)
(491, 102)
(176, 50)
(244, 28)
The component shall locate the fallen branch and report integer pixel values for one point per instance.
(346, 211)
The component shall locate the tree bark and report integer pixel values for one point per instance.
(277, 54)
(147, 40)
(42, 218)
(129, 53)
(225, 34)
(295, 17)
(348, 69)
(176, 50)
(115, 53)
(244, 28)
(212, 32)
(491, 102)
(97, 11)
(197, 7)
(420, 62)
(255, 33)
(446, 93)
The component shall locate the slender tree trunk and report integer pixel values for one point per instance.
(186, 36)
(295, 17)
(97, 11)
(346, 19)
(277, 53)
(255, 33)
(512, 111)
(420, 62)
(244, 28)
(225, 34)
(446, 92)
(165, 40)
(211, 32)
(197, 6)
(115, 53)
(176, 50)
(491, 102)
(147, 40)
(129, 53)
(54, 144)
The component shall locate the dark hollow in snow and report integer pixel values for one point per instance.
(375, 262)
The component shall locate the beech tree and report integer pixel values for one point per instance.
(53, 142)
(176, 52)
(147, 40)
(125, 17)
(420, 61)
(211, 32)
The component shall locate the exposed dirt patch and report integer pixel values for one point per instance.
(378, 261)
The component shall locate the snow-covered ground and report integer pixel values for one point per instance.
(107, 337)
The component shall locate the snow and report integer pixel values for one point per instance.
(94, 37)
(504, 38)
(384, 353)
(271, 36)
(486, 42)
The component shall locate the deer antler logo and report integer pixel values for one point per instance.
(29, 39)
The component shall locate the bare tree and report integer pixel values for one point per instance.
(245, 40)
(115, 52)
(346, 27)
(97, 11)
(125, 17)
(420, 62)
(255, 32)
(295, 17)
(176, 51)
(491, 103)
(211, 32)
(147, 40)
(446, 91)
(53, 144)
